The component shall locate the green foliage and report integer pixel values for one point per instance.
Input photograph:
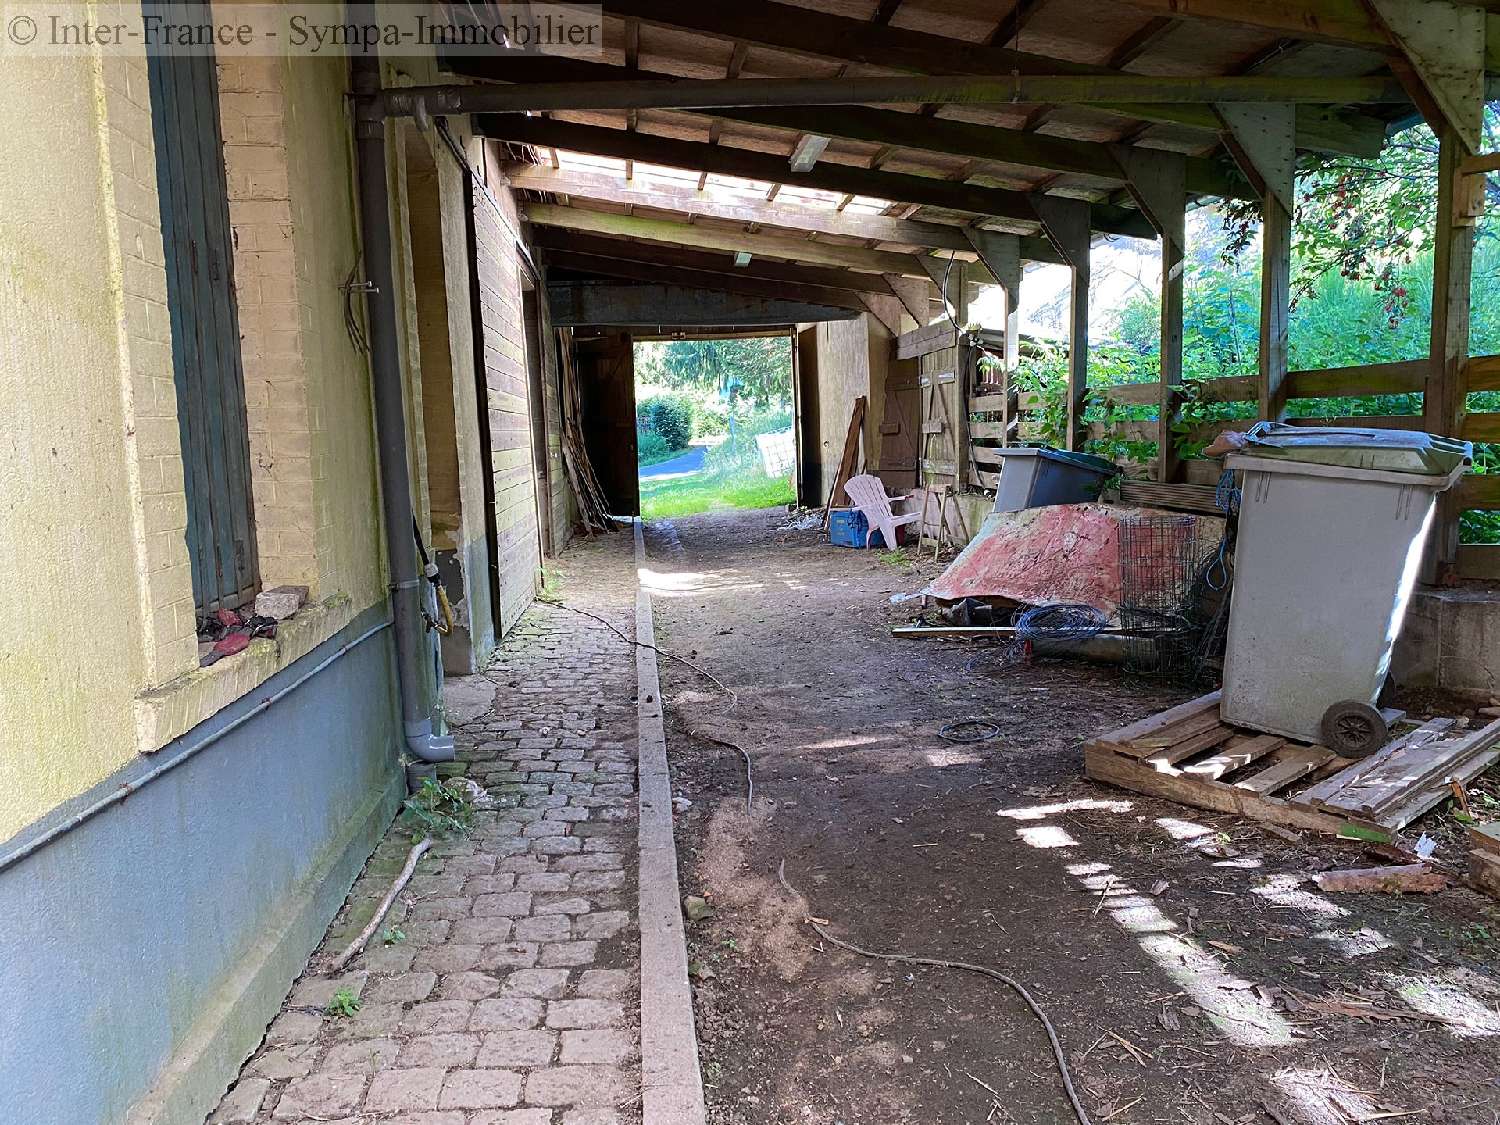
(739, 453)
(343, 1004)
(392, 936)
(439, 808)
(757, 372)
(651, 448)
(704, 492)
(669, 417)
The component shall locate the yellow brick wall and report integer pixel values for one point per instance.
(97, 642)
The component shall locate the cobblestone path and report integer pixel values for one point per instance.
(512, 998)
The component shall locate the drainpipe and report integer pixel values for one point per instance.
(413, 661)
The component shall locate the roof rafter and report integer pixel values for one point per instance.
(896, 186)
(835, 220)
(803, 31)
(883, 127)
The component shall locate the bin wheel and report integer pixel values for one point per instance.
(1353, 728)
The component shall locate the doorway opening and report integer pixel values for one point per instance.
(715, 423)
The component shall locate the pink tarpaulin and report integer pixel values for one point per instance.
(1060, 553)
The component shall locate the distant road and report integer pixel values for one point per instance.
(689, 462)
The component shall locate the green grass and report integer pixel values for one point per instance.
(689, 496)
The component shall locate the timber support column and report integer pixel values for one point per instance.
(1065, 222)
(1158, 182)
(1440, 60)
(1001, 254)
(1263, 141)
(1445, 393)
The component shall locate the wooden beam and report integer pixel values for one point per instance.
(1443, 397)
(804, 31)
(1066, 224)
(1060, 89)
(626, 305)
(1158, 186)
(828, 176)
(653, 253)
(610, 189)
(703, 238)
(1440, 62)
(879, 126)
(703, 279)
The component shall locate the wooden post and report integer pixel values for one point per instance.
(1158, 182)
(1275, 308)
(1065, 222)
(1263, 141)
(1445, 392)
(1168, 466)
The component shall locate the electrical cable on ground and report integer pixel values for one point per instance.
(704, 672)
(983, 730)
(995, 974)
(749, 781)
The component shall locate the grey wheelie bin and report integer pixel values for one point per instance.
(1333, 522)
(1035, 476)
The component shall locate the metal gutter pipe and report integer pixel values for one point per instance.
(412, 649)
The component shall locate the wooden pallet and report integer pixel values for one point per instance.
(1187, 755)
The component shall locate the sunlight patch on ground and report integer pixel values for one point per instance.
(1432, 995)
(1286, 891)
(944, 758)
(1356, 943)
(1046, 836)
(1320, 1097)
(1182, 829)
(667, 584)
(1042, 812)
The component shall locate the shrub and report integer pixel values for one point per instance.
(670, 416)
(651, 447)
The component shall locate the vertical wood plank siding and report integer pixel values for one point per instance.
(206, 361)
(503, 360)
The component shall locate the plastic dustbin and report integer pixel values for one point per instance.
(1332, 525)
(1035, 476)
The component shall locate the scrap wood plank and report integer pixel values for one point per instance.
(1153, 725)
(1170, 736)
(1436, 791)
(1289, 768)
(1103, 763)
(1320, 793)
(1415, 769)
(848, 462)
(1486, 837)
(1187, 747)
(1236, 754)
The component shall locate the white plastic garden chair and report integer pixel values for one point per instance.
(868, 494)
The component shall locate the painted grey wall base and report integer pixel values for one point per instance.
(145, 952)
(1451, 641)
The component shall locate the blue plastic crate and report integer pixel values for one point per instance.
(847, 527)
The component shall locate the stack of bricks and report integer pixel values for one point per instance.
(510, 998)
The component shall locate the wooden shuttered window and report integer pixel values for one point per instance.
(205, 328)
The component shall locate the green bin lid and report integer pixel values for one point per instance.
(1356, 447)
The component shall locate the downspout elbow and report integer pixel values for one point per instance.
(425, 744)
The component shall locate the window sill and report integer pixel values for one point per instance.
(176, 707)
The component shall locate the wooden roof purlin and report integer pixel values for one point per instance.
(960, 115)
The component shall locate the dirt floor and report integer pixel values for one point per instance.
(1191, 969)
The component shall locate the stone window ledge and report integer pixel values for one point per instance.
(171, 710)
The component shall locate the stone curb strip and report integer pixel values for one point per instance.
(671, 1083)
